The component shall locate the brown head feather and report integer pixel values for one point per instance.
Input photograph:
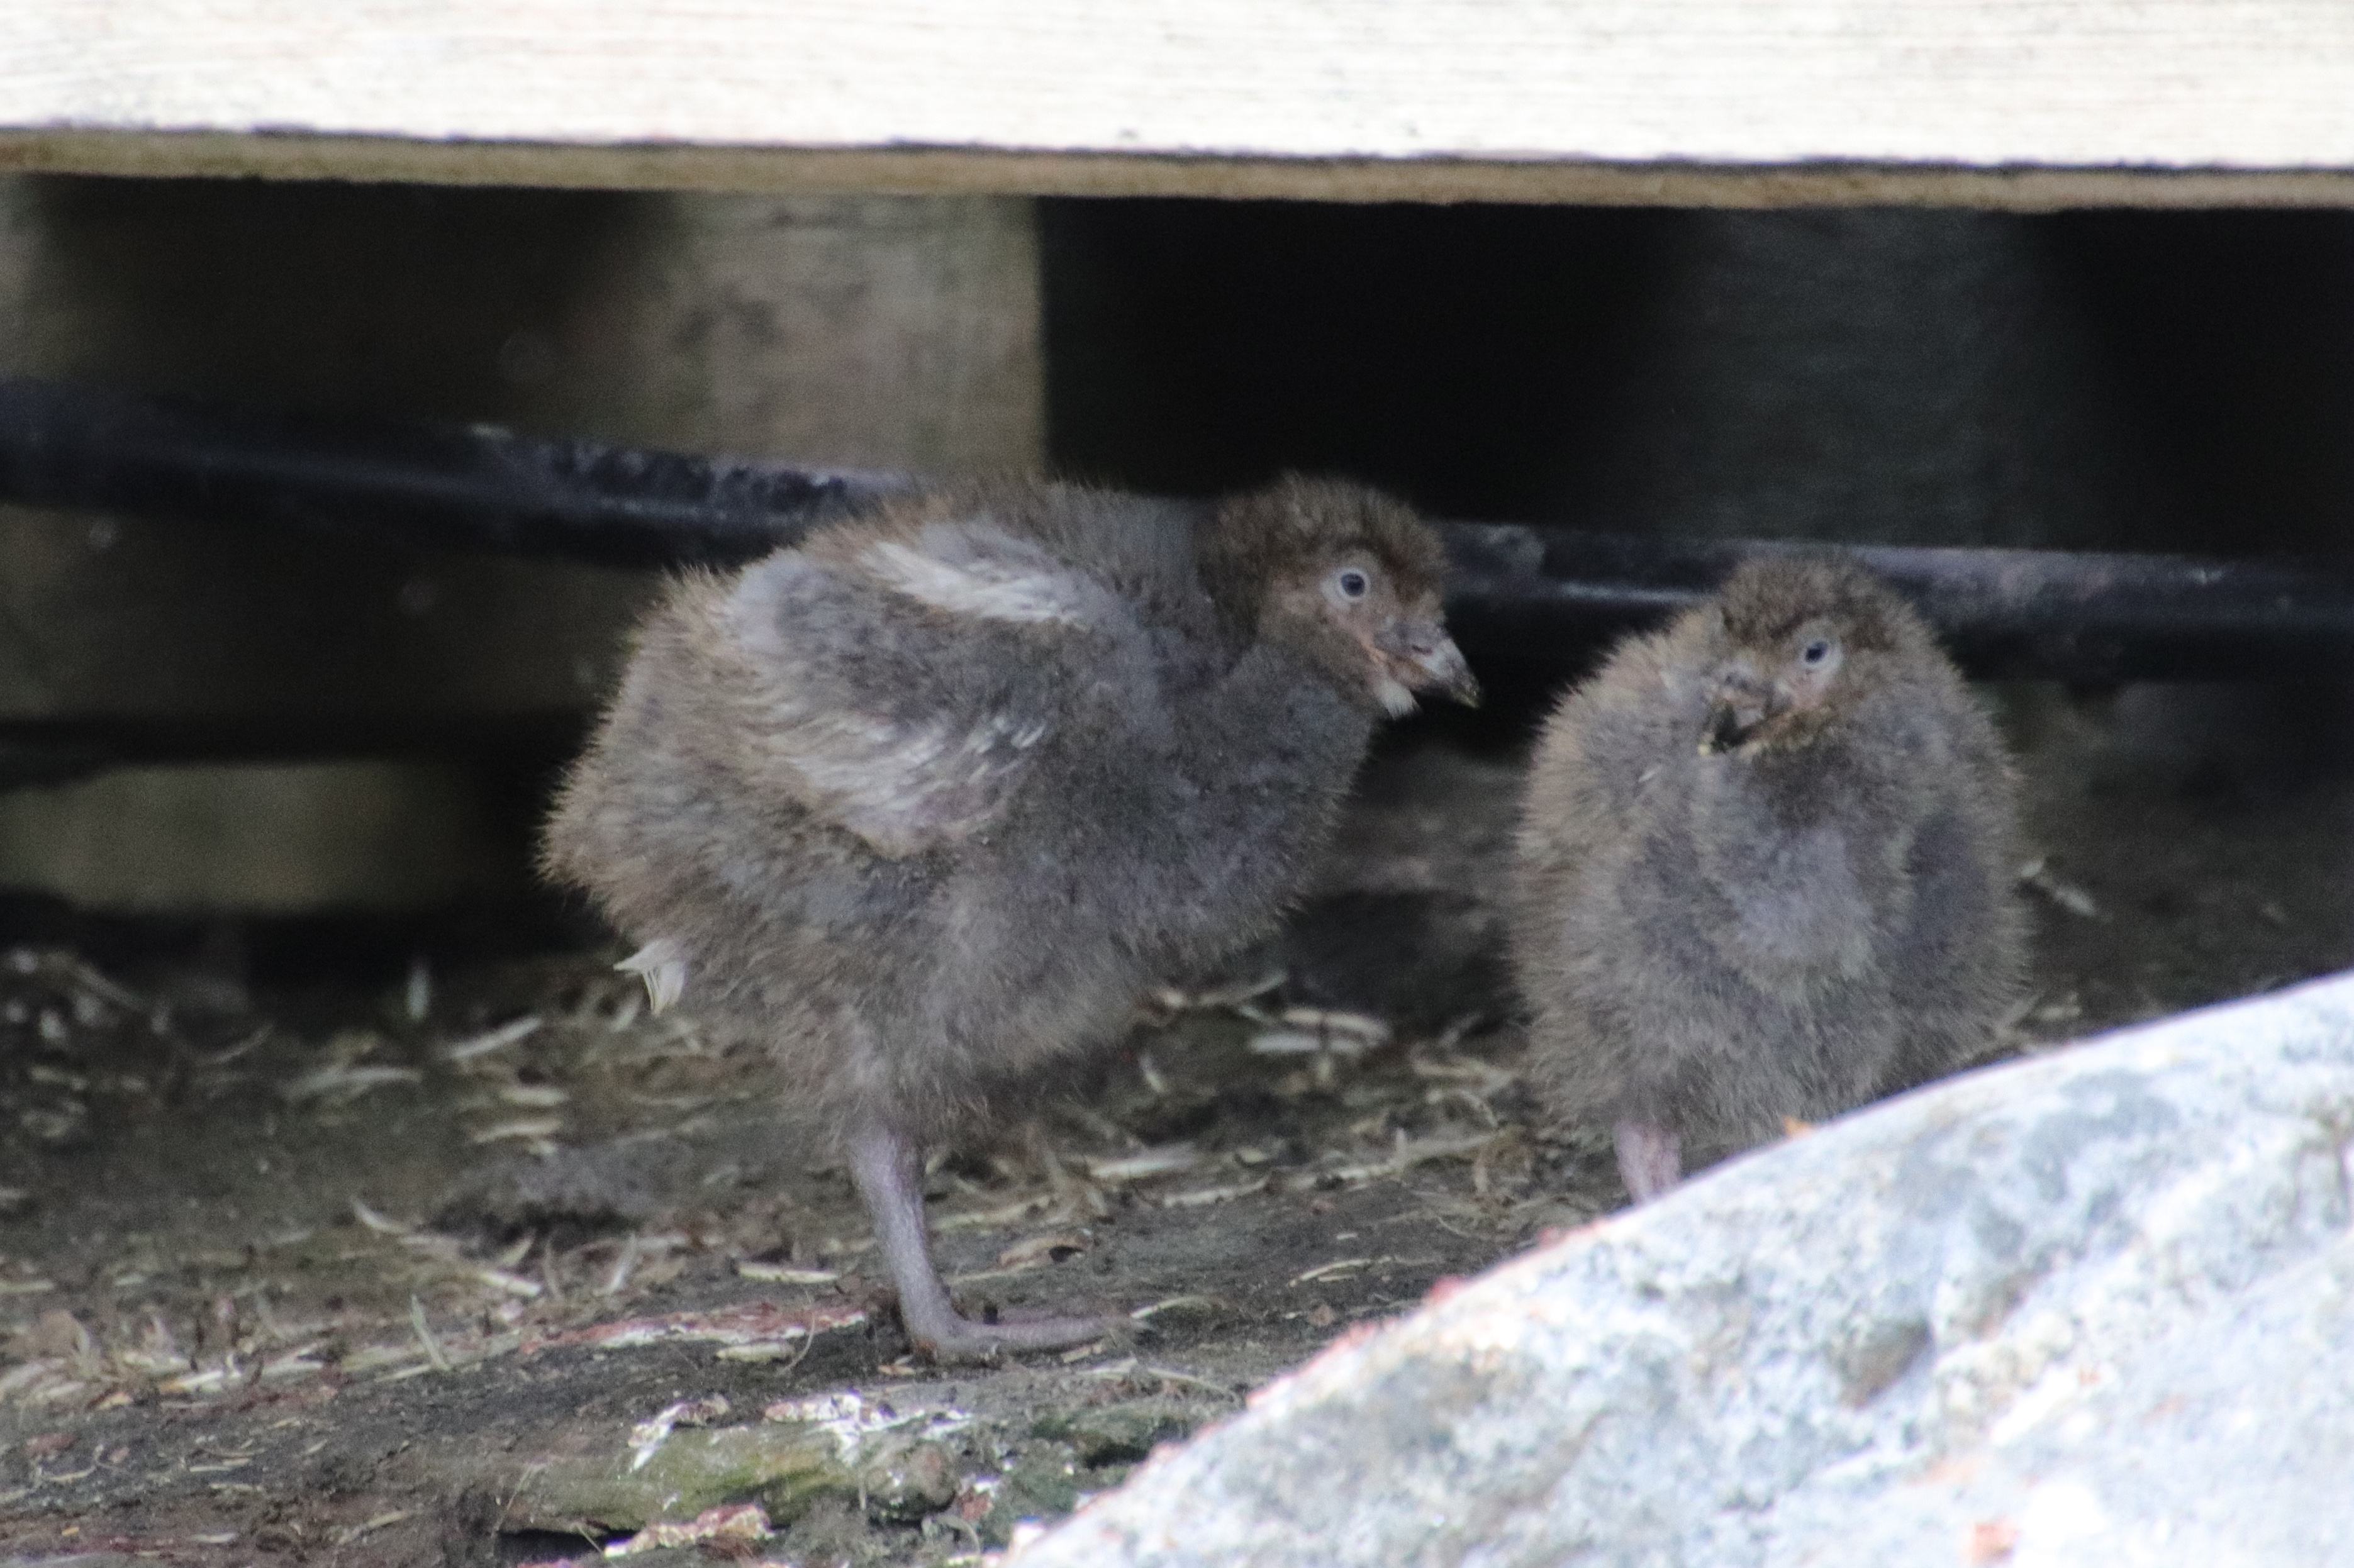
(1270, 536)
(1766, 600)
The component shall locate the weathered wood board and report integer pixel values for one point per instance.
(875, 331)
(2024, 103)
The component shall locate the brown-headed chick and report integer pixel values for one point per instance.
(1764, 869)
(926, 800)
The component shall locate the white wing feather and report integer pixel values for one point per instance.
(866, 754)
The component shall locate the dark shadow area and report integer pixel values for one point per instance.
(363, 299)
(2130, 380)
(2227, 338)
(1195, 346)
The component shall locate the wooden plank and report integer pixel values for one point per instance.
(1996, 102)
(872, 332)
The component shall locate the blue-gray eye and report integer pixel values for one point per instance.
(1815, 653)
(1353, 583)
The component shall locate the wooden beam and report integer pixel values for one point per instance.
(2008, 103)
(945, 172)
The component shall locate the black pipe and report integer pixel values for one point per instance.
(2078, 616)
(466, 487)
(1540, 597)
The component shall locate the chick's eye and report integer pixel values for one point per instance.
(1352, 583)
(1815, 653)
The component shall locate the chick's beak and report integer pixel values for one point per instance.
(1428, 660)
(1727, 727)
(1739, 706)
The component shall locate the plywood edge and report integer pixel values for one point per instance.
(932, 171)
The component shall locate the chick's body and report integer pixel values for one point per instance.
(1764, 870)
(926, 800)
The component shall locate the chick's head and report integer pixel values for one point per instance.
(1352, 578)
(1798, 642)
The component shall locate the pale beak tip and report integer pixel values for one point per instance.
(1446, 672)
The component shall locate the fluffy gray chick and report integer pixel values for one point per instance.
(926, 800)
(1764, 870)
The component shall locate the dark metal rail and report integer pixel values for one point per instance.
(1538, 597)
(2092, 617)
(466, 487)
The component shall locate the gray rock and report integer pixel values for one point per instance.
(2096, 1308)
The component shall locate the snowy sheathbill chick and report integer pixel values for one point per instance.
(926, 800)
(1764, 869)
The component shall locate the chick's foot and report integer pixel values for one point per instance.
(1650, 1159)
(945, 1335)
(887, 1170)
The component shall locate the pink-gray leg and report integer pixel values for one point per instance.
(889, 1178)
(1650, 1159)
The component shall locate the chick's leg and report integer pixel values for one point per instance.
(1650, 1159)
(889, 1177)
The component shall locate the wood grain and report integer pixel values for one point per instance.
(1995, 102)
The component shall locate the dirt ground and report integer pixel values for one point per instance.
(407, 1274)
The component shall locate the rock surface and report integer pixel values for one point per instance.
(2093, 1307)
